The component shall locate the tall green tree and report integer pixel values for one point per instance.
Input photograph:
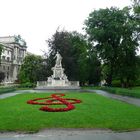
(31, 69)
(112, 32)
(72, 46)
(136, 6)
(136, 17)
(94, 68)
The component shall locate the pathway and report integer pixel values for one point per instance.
(5, 95)
(73, 135)
(130, 100)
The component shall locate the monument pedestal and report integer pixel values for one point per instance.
(59, 79)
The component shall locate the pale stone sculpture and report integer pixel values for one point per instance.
(59, 79)
(58, 59)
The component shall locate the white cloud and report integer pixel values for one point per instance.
(37, 20)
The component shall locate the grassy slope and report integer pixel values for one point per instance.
(95, 111)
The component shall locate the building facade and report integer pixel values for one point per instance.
(14, 51)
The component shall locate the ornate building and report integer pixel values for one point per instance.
(14, 51)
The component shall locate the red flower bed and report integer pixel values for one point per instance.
(56, 100)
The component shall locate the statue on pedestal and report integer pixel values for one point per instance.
(58, 79)
(58, 59)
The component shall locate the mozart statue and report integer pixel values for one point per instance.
(58, 59)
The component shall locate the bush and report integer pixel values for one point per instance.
(6, 90)
(27, 85)
(137, 82)
(116, 83)
(123, 91)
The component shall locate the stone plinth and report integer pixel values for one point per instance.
(57, 85)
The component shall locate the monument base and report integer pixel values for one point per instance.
(57, 85)
(59, 80)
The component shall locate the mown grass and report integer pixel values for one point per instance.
(95, 111)
(133, 92)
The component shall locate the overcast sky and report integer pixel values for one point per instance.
(37, 20)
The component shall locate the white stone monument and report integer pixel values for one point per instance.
(59, 79)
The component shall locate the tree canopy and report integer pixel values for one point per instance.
(72, 47)
(112, 33)
(31, 69)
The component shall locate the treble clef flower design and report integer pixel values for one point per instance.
(56, 99)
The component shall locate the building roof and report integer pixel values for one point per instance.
(13, 39)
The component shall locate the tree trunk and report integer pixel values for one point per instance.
(109, 77)
(127, 82)
(122, 83)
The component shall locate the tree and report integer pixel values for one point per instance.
(72, 46)
(112, 32)
(94, 68)
(32, 69)
(136, 17)
(136, 6)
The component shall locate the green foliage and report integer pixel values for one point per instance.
(123, 91)
(27, 85)
(136, 6)
(112, 30)
(94, 68)
(116, 83)
(137, 82)
(72, 47)
(97, 112)
(31, 69)
(6, 90)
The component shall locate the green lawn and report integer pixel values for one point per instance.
(95, 111)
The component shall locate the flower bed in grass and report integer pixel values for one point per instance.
(56, 100)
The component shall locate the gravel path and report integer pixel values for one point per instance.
(55, 134)
(130, 100)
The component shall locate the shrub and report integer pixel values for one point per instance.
(122, 91)
(137, 82)
(116, 83)
(27, 85)
(6, 90)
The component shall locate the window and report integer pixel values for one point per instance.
(8, 68)
(3, 57)
(8, 59)
(3, 67)
(7, 75)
